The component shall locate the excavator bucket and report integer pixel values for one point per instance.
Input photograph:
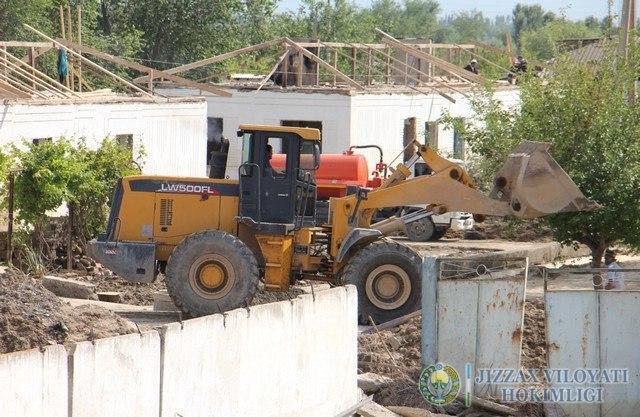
(535, 185)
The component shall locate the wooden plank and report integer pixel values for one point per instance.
(63, 34)
(335, 65)
(21, 85)
(324, 64)
(23, 44)
(384, 45)
(24, 73)
(375, 410)
(79, 12)
(143, 68)
(72, 70)
(416, 79)
(441, 63)
(300, 68)
(214, 59)
(9, 90)
(354, 61)
(273, 70)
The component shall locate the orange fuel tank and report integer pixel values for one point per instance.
(336, 172)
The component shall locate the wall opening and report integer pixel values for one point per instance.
(458, 142)
(431, 135)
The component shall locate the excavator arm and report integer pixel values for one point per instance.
(531, 184)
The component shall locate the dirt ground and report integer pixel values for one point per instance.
(141, 294)
(31, 316)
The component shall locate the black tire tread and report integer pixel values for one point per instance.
(172, 276)
(352, 273)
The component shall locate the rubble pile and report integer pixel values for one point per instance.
(32, 316)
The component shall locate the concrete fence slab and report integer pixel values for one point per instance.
(282, 359)
(596, 330)
(117, 376)
(34, 383)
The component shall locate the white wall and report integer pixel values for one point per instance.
(117, 376)
(172, 134)
(269, 107)
(285, 359)
(379, 119)
(34, 383)
(358, 119)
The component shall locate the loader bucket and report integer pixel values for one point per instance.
(535, 185)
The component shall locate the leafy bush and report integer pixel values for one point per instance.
(52, 173)
(586, 114)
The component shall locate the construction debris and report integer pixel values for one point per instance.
(31, 316)
(70, 288)
(414, 412)
(373, 409)
(371, 383)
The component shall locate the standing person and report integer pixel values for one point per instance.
(615, 277)
(472, 66)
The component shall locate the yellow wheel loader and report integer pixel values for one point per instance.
(215, 239)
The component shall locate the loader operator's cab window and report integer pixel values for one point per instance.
(277, 167)
(277, 178)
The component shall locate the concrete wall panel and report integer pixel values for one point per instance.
(117, 376)
(282, 359)
(34, 383)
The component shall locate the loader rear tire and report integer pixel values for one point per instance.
(211, 272)
(387, 276)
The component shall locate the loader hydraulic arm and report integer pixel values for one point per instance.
(530, 184)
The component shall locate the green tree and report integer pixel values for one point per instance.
(529, 17)
(584, 112)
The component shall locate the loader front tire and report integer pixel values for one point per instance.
(211, 272)
(387, 276)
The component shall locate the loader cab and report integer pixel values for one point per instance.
(277, 177)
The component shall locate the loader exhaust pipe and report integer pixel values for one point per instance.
(535, 185)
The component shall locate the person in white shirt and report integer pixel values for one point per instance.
(615, 277)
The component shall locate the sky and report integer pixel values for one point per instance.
(573, 9)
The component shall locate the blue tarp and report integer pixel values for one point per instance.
(63, 63)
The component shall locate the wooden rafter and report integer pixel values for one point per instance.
(273, 70)
(441, 63)
(419, 72)
(324, 64)
(407, 75)
(91, 63)
(214, 59)
(58, 86)
(143, 68)
(30, 77)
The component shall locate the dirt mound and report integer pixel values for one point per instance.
(535, 230)
(31, 316)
